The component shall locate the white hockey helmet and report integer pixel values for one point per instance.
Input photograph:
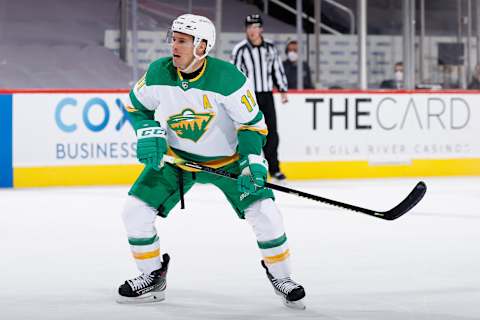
(201, 28)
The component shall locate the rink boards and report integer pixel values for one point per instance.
(83, 137)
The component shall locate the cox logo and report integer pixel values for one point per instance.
(94, 105)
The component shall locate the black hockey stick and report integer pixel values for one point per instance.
(403, 207)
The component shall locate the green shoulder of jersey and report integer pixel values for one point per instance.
(219, 76)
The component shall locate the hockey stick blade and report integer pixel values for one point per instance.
(403, 207)
(407, 204)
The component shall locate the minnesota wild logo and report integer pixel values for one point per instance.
(190, 125)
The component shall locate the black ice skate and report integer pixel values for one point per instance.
(279, 176)
(146, 287)
(291, 292)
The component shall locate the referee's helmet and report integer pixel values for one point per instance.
(254, 19)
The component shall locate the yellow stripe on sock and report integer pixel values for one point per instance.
(146, 255)
(278, 258)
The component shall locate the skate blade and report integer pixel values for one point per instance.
(149, 297)
(298, 305)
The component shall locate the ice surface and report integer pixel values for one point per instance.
(64, 253)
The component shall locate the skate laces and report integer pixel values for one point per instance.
(285, 285)
(141, 281)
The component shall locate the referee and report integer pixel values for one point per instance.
(259, 60)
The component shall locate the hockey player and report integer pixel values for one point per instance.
(206, 112)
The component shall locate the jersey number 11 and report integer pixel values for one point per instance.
(248, 101)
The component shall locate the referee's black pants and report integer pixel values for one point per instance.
(267, 106)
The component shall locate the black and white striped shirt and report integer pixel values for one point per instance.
(261, 64)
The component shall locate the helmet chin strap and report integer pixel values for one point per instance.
(190, 66)
(195, 59)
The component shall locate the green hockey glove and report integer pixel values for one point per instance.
(254, 174)
(152, 143)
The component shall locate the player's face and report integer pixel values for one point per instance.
(254, 32)
(182, 50)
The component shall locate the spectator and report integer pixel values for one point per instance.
(397, 82)
(259, 60)
(475, 83)
(290, 66)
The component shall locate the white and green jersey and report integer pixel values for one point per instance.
(212, 117)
